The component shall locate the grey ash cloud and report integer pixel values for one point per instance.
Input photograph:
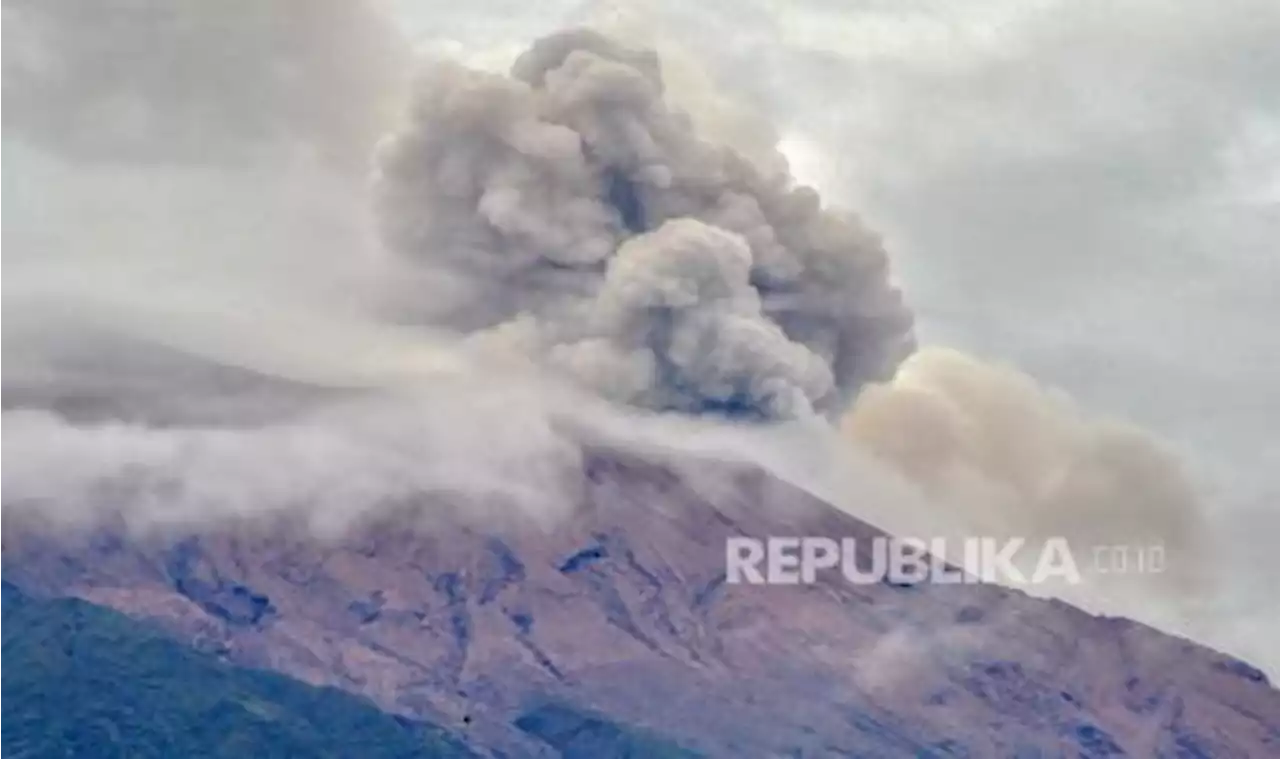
(597, 229)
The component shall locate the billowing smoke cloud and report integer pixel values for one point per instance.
(1010, 457)
(599, 230)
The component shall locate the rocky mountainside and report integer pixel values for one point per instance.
(623, 610)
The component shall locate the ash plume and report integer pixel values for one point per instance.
(596, 230)
(1001, 454)
(566, 212)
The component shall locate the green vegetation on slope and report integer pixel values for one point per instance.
(84, 681)
(579, 734)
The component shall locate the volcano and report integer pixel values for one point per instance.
(622, 610)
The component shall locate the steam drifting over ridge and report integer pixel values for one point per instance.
(599, 231)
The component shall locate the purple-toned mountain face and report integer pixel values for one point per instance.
(623, 609)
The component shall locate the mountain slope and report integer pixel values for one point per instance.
(80, 680)
(622, 610)
(584, 735)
